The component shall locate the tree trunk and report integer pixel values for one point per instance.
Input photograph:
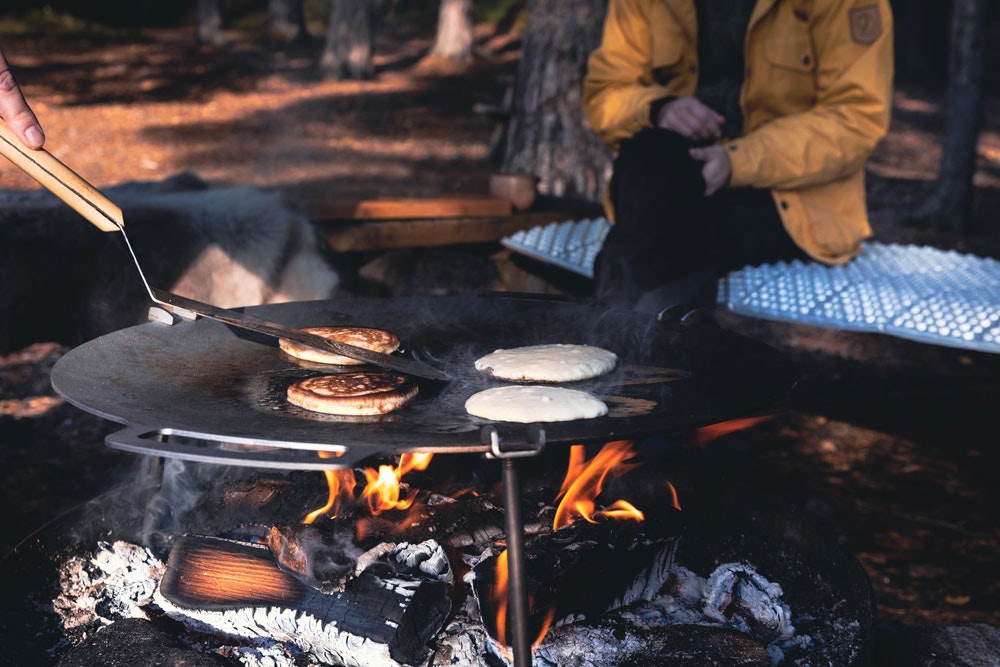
(950, 207)
(210, 22)
(548, 135)
(454, 31)
(286, 19)
(350, 41)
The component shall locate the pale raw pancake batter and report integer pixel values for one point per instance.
(369, 339)
(534, 403)
(548, 363)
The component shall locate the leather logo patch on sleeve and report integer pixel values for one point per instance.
(866, 24)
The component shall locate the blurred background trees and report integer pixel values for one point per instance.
(941, 47)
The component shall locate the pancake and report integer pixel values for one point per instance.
(548, 363)
(375, 393)
(370, 339)
(534, 403)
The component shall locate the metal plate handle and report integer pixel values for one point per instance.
(168, 444)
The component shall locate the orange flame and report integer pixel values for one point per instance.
(381, 490)
(706, 434)
(499, 597)
(499, 600)
(674, 500)
(585, 481)
(341, 485)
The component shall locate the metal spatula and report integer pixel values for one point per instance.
(86, 200)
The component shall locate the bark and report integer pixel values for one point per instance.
(286, 19)
(210, 22)
(548, 135)
(350, 41)
(454, 31)
(950, 207)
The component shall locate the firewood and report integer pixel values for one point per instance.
(582, 571)
(236, 588)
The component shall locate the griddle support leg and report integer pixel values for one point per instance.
(517, 600)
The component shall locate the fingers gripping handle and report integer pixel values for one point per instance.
(62, 181)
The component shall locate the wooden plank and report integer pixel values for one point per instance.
(407, 209)
(387, 234)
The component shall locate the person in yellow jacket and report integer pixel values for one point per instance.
(741, 129)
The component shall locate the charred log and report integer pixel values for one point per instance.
(236, 588)
(581, 572)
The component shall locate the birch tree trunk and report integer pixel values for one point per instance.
(350, 41)
(454, 31)
(950, 207)
(210, 22)
(548, 135)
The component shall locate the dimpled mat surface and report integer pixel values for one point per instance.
(571, 245)
(916, 292)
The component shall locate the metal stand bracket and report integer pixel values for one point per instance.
(517, 588)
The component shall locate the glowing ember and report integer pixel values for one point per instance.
(585, 481)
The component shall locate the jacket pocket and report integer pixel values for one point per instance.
(792, 52)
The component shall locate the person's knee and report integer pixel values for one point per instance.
(653, 170)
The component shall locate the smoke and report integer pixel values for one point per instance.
(168, 489)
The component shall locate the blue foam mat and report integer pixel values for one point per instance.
(915, 292)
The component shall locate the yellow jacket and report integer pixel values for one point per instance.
(816, 99)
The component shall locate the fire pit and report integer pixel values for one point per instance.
(198, 391)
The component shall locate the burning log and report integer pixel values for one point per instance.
(236, 588)
(578, 573)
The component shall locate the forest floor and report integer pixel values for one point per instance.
(888, 444)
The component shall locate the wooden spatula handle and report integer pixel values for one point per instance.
(62, 181)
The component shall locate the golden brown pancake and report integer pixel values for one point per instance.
(374, 393)
(369, 339)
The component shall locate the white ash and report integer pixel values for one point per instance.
(263, 656)
(463, 641)
(685, 599)
(372, 556)
(116, 581)
(427, 558)
(736, 592)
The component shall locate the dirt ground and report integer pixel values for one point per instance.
(888, 444)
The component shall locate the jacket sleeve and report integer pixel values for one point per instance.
(834, 137)
(618, 88)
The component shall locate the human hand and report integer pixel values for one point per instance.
(691, 118)
(716, 170)
(15, 110)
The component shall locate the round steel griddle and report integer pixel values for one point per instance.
(202, 391)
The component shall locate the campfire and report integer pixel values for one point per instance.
(399, 559)
(388, 573)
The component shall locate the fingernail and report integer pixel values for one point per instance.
(34, 136)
